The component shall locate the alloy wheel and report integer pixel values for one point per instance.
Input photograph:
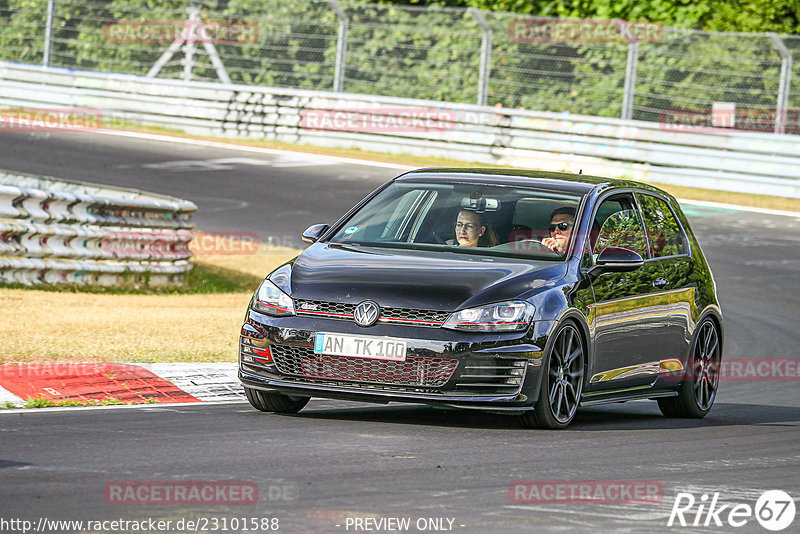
(706, 366)
(565, 374)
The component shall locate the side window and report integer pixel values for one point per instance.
(403, 210)
(617, 224)
(665, 234)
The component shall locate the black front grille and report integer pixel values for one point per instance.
(413, 317)
(415, 371)
(336, 310)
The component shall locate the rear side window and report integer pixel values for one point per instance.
(665, 234)
(617, 224)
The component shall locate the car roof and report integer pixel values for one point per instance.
(560, 181)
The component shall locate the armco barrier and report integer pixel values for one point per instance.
(54, 231)
(712, 158)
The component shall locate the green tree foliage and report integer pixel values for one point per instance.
(782, 16)
(405, 49)
(21, 24)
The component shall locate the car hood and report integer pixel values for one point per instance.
(433, 280)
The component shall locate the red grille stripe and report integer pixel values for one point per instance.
(325, 313)
(418, 321)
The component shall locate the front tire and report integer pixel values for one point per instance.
(275, 402)
(562, 383)
(699, 386)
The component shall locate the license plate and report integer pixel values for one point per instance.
(377, 348)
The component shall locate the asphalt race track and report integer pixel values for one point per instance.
(442, 471)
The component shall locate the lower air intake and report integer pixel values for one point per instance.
(414, 371)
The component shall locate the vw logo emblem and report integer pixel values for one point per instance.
(367, 313)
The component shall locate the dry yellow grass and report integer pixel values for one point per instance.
(47, 327)
(43, 326)
(728, 197)
(258, 265)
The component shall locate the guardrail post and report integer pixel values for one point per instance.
(341, 47)
(486, 56)
(48, 32)
(785, 82)
(629, 91)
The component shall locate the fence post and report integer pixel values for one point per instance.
(48, 32)
(785, 83)
(341, 47)
(629, 91)
(486, 56)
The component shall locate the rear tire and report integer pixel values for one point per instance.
(562, 383)
(275, 402)
(700, 384)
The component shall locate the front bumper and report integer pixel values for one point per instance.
(497, 372)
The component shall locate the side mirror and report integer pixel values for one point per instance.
(615, 260)
(314, 232)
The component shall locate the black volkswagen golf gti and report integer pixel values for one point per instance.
(510, 291)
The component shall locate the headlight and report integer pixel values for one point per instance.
(503, 317)
(272, 301)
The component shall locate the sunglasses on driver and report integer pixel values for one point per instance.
(563, 226)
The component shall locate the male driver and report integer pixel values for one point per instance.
(561, 223)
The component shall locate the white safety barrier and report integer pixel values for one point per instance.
(54, 231)
(668, 152)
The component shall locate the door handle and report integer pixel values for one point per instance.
(660, 283)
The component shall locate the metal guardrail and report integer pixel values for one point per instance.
(54, 231)
(712, 158)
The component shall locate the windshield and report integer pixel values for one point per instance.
(465, 218)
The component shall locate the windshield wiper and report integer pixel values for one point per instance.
(354, 247)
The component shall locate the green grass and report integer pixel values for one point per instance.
(39, 402)
(202, 279)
